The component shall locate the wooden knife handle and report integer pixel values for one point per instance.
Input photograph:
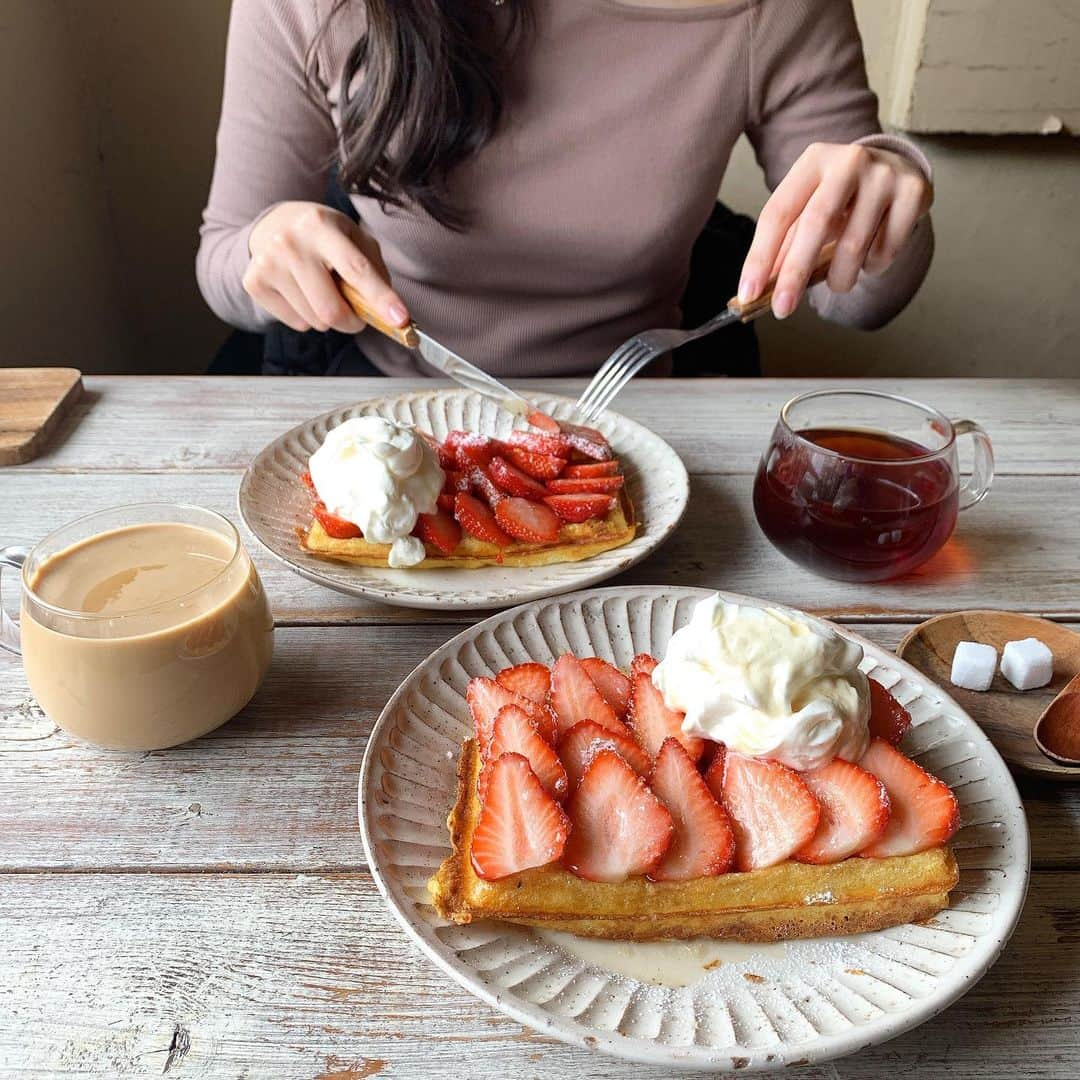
(751, 311)
(404, 335)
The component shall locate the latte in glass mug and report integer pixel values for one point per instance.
(141, 627)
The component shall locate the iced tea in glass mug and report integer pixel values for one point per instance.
(862, 485)
(140, 627)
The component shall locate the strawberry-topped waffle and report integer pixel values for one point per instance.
(387, 495)
(601, 801)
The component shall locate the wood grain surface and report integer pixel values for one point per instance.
(206, 911)
(1009, 538)
(33, 401)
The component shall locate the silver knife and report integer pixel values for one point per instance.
(440, 357)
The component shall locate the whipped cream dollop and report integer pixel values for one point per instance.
(768, 684)
(380, 476)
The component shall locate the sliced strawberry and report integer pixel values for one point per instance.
(772, 811)
(445, 502)
(595, 468)
(485, 488)
(595, 485)
(595, 434)
(335, 527)
(532, 522)
(485, 697)
(455, 480)
(305, 479)
(547, 723)
(643, 662)
(704, 843)
(513, 481)
(854, 811)
(585, 740)
(613, 685)
(447, 459)
(924, 811)
(515, 732)
(889, 720)
(618, 827)
(532, 681)
(653, 722)
(453, 441)
(708, 755)
(574, 697)
(578, 508)
(475, 451)
(544, 422)
(477, 520)
(440, 530)
(520, 824)
(540, 466)
(714, 773)
(587, 441)
(553, 445)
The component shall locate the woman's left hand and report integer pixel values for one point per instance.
(868, 200)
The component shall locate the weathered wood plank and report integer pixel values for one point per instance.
(276, 788)
(716, 425)
(291, 976)
(1013, 551)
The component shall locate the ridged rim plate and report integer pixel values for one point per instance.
(274, 505)
(805, 1001)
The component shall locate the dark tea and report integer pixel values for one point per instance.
(868, 511)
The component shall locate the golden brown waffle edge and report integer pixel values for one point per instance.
(792, 900)
(576, 542)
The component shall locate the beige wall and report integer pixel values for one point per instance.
(108, 130)
(110, 108)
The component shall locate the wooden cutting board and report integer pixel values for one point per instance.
(32, 402)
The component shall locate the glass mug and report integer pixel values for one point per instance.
(140, 627)
(861, 485)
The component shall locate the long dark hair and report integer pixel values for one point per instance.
(420, 93)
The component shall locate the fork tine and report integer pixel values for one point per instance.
(608, 370)
(637, 358)
(600, 378)
(645, 356)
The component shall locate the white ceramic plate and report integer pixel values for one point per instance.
(803, 1001)
(274, 504)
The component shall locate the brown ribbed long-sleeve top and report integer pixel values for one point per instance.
(619, 124)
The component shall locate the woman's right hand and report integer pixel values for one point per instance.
(296, 248)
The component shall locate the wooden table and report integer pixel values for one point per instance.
(206, 911)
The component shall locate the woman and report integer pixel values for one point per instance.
(530, 175)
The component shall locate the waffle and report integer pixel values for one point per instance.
(575, 542)
(791, 900)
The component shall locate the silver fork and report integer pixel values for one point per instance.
(631, 356)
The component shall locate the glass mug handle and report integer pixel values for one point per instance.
(975, 488)
(9, 627)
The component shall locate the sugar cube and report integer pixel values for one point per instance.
(1027, 664)
(973, 665)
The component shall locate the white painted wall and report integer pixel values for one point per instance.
(108, 124)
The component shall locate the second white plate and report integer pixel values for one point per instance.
(760, 1007)
(274, 504)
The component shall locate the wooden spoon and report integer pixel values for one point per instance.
(1006, 714)
(1057, 731)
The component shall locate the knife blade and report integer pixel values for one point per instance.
(440, 357)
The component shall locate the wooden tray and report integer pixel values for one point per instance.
(1006, 714)
(32, 402)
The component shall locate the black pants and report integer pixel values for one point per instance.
(715, 264)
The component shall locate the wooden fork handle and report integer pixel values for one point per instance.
(404, 335)
(758, 307)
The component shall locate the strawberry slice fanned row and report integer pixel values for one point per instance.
(523, 488)
(587, 768)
